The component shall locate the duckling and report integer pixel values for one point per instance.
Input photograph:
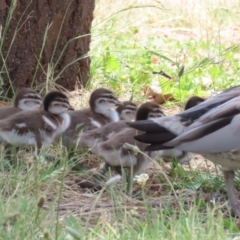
(37, 127)
(193, 101)
(127, 111)
(100, 113)
(210, 129)
(115, 151)
(91, 138)
(26, 99)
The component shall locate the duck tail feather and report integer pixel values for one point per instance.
(147, 126)
(156, 147)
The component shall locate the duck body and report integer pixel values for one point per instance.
(37, 127)
(126, 111)
(114, 149)
(210, 129)
(116, 152)
(20, 130)
(8, 111)
(26, 99)
(100, 113)
(89, 120)
(91, 138)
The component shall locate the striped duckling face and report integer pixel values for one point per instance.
(27, 99)
(56, 103)
(102, 99)
(193, 101)
(149, 110)
(127, 111)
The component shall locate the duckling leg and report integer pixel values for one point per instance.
(129, 173)
(107, 166)
(120, 170)
(231, 192)
(101, 174)
(38, 139)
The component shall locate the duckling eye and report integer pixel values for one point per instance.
(64, 100)
(158, 111)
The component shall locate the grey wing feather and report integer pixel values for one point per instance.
(223, 140)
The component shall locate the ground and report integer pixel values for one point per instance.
(95, 206)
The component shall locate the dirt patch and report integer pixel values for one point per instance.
(96, 207)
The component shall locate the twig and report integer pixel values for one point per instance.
(162, 73)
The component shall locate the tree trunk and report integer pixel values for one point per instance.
(45, 41)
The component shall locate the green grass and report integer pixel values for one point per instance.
(126, 53)
(40, 199)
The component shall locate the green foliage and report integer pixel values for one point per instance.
(128, 61)
(133, 65)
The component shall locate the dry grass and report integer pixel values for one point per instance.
(178, 19)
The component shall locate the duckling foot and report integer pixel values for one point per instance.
(80, 167)
(232, 197)
(89, 185)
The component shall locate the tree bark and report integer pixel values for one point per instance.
(41, 41)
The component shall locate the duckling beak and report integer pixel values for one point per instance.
(118, 103)
(71, 108)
